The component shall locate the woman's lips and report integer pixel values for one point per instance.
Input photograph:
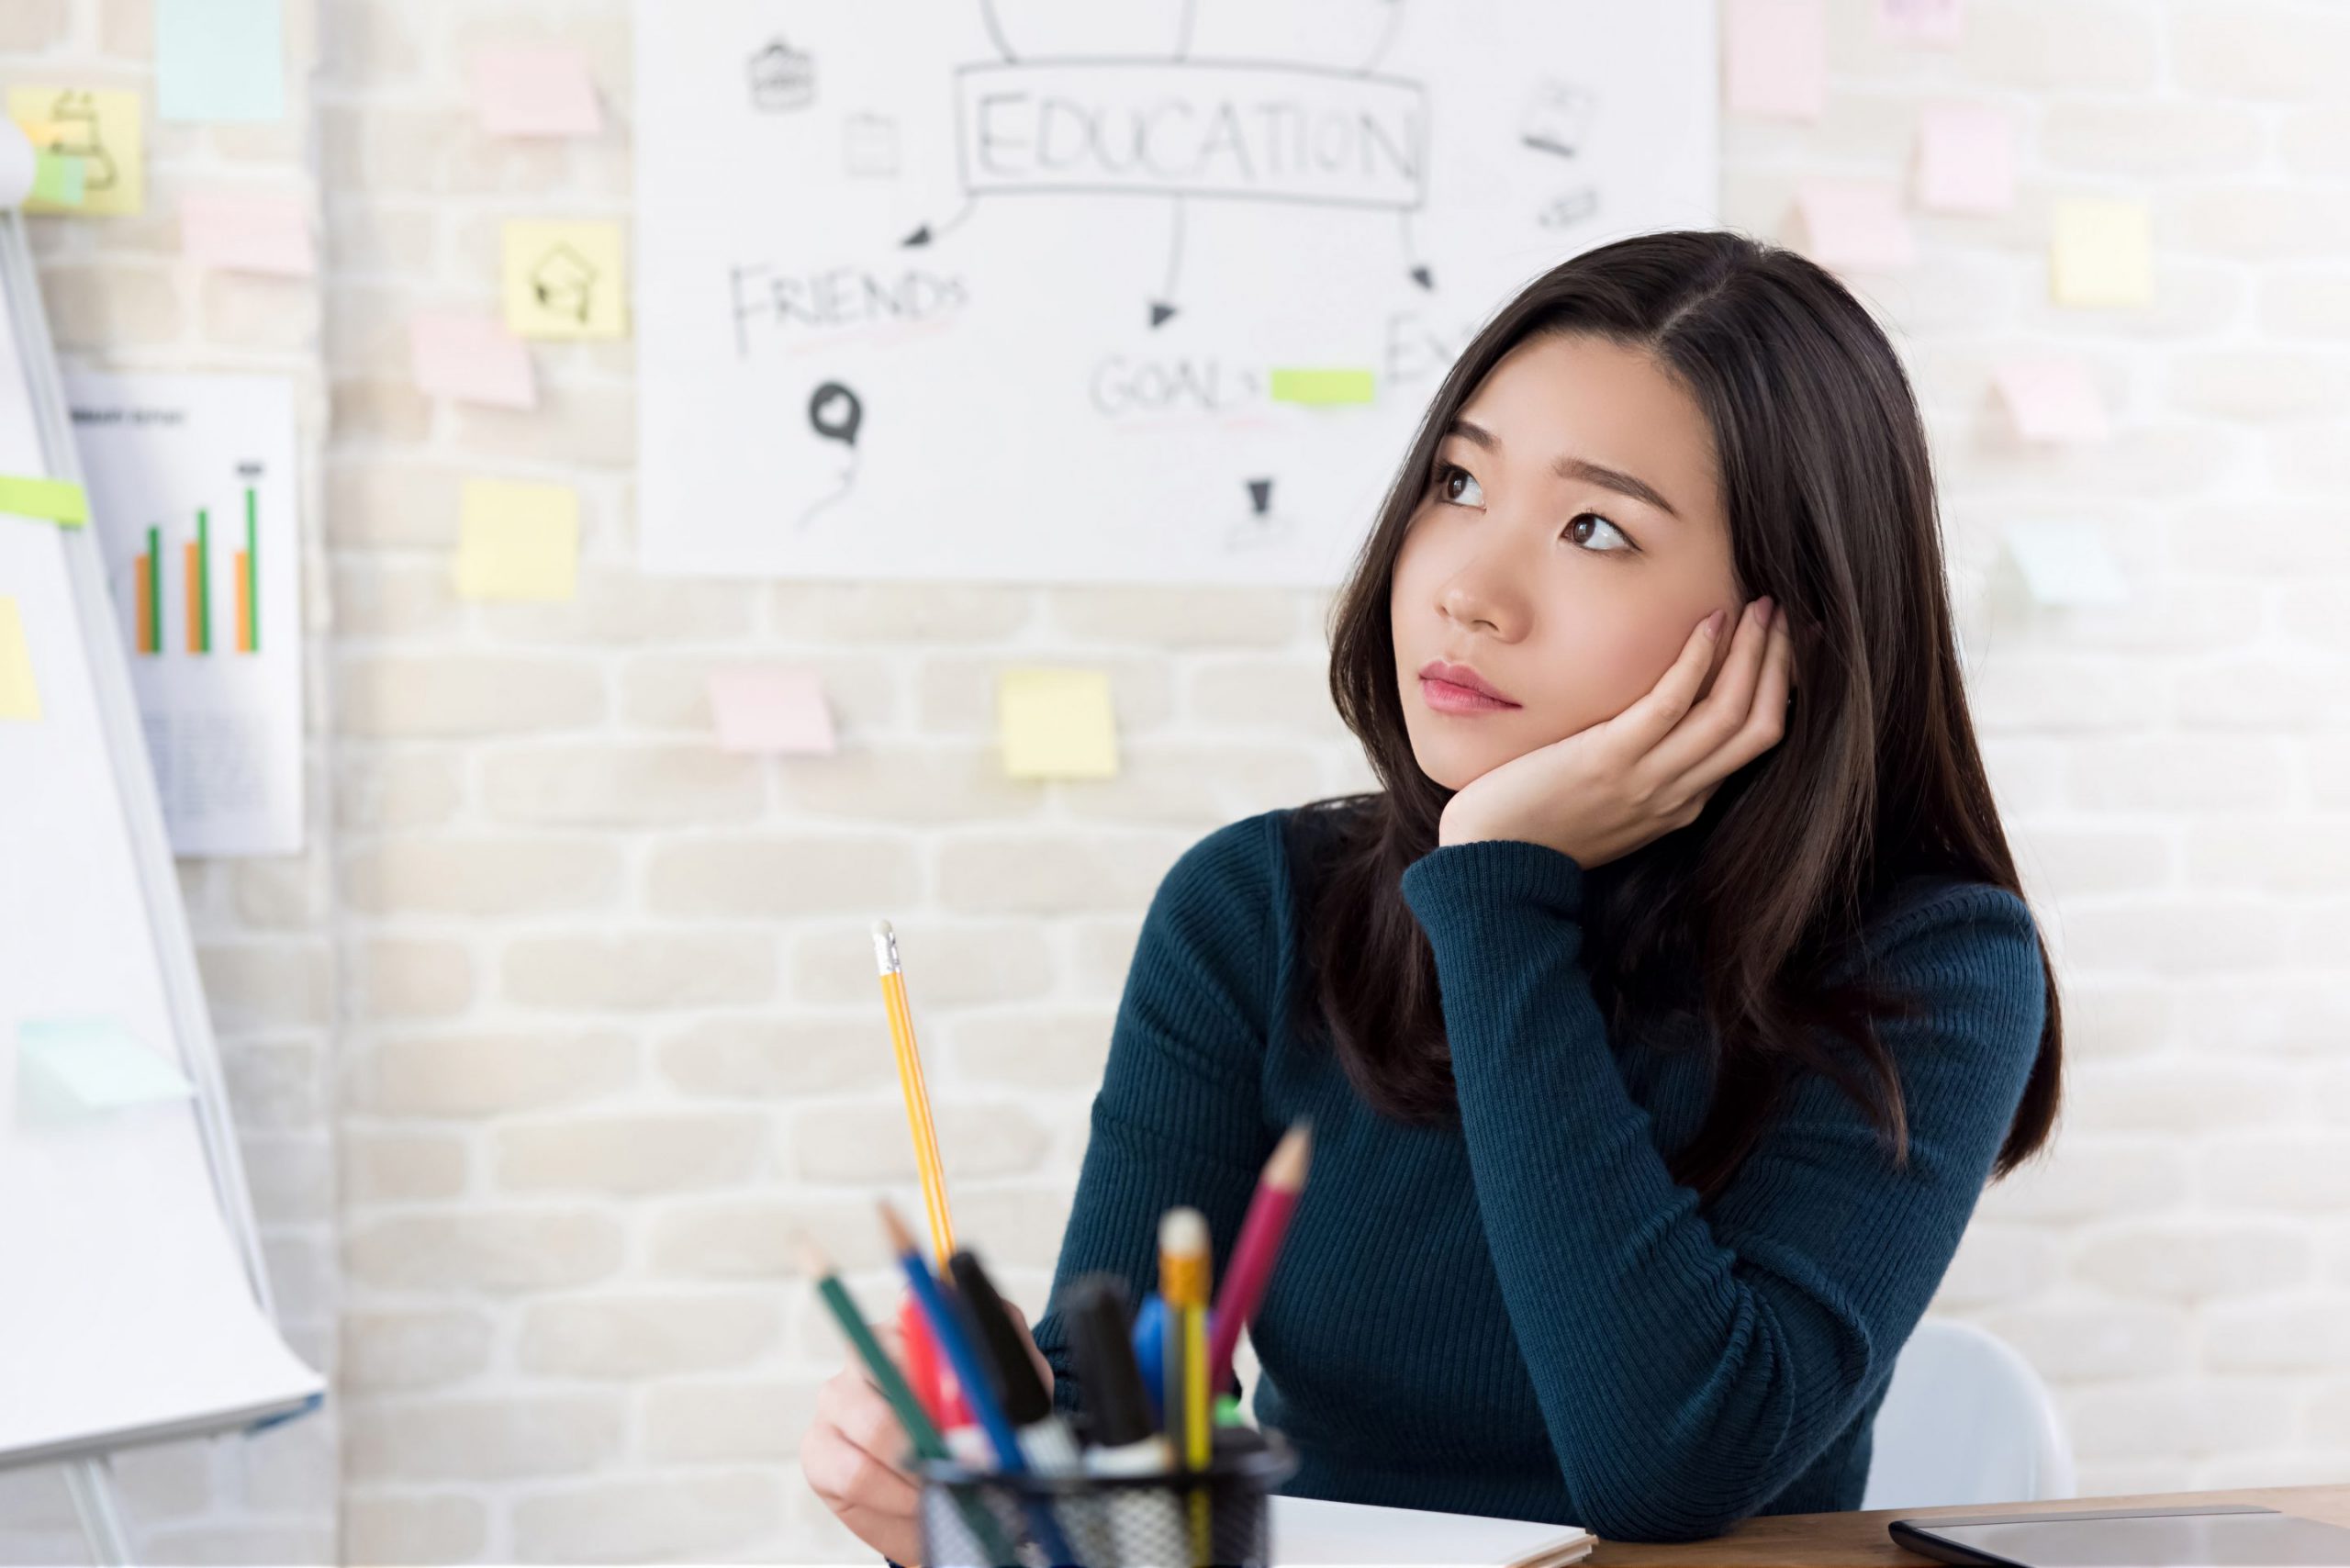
(1447, 697)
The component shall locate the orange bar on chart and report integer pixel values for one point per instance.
(244, 606)
(195, 600)
(146, 605)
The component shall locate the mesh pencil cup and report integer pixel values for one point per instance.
(1110, 1521)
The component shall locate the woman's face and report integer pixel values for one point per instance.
(1571, 538)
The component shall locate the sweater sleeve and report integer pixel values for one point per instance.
(1178, 1117)
(1690, 1365)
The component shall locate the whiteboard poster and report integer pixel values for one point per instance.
(1059, 291)
(191, 482)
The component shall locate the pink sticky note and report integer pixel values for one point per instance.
(247, 232)
(1966, 158)
(2053, 397)
(1921, 21)
(535, 91)
(1856, 224)
(770, 709)
(1776, 55)
(470, 355)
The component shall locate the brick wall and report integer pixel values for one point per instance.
(603, 1025)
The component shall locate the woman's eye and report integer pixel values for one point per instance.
(1577, 531)
(1458, 486)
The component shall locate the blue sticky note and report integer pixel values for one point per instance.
(68, 1068)
(219, 60)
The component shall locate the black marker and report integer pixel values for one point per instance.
(1125, 1440)
(1045, 1440)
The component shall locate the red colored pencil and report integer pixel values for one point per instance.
(1253, 1254)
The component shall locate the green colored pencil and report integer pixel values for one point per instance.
(920, 1429)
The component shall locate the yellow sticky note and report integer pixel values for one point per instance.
(2100, 251)
(565, 280)
(105, 131)
(517, 541)
(1055, 724)
(19, 698)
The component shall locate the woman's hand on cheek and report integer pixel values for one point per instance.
(1605, 792)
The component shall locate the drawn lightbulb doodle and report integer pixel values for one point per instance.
(1262, 526)
(834, 413)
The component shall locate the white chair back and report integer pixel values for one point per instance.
(1965, 1420)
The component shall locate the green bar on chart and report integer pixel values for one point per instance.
(253, 577)
(204, 580)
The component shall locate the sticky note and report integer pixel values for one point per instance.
(1966, 158)
(1055, 724)
(19, 697)
(535, 91)
(517, 541)
(1921, 21)
(2100, 253)
(469, 355)
(565, 280)
(52, 500)
(57, 179)
(1775, 57)
(222, 61)
(2052, 398)
(1855, 224)
(770, 709)
(262, 231)
(71, 1067)
(1321, 387)
(104, 130)
(2066, 563)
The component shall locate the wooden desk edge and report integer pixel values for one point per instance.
(1850, 1540)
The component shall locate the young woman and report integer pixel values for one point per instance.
(1659, 1027)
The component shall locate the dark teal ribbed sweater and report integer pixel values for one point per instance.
(1526, 1315)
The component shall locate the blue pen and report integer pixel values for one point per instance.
(947, 1329)
(1151, 1349)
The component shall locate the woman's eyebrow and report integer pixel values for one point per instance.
(1581, 468)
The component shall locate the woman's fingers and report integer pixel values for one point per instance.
(1763, 720)
(1654, 716)
(1044, 1367)
(858, 1413)
(1719, 715)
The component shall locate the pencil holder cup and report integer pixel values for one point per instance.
(1162, 1519)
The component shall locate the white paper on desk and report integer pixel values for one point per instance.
(1317, 1530)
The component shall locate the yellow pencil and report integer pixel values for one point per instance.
(901, 1035)
(1183, 1267)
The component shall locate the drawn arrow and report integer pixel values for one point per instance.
(925, 234)
(1163, 307)
(1386, 36)
(1421, 273)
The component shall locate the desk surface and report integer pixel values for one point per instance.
(1837, 1540)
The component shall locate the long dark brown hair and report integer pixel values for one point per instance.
(1740, 917)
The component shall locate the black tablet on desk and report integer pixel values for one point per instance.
(2199, 1535)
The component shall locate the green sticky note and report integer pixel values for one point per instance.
(1321, 387)
(56, 500)
(219, 60)
(57, 177)
(1055, 724)
(69, 1068)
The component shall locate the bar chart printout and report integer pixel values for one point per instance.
(191, 481)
